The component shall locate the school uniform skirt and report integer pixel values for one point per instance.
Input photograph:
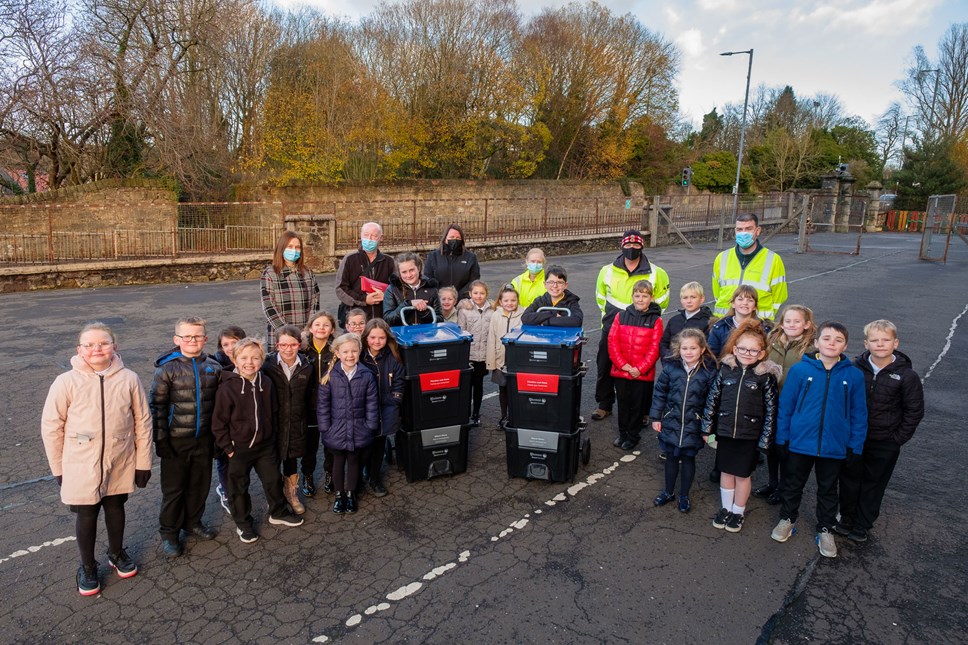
(736, 457)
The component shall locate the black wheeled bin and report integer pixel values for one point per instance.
(544, 401)
(543, 350)
(541, 454)
(432, 452)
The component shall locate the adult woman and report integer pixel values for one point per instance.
(530, 284)
(410, 288)
(290, 294)
(452, 265)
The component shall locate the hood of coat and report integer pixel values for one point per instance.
(901, 361)
(763, 367)
(81, 365)
(813, 360)
(235, 380)
(174, 354)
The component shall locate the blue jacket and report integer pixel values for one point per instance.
(678, 402)
(823, 413)
(348, 410)
(389, 374)
(720, 331)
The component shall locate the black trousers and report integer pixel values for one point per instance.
(634, 401)
(262, 458)
(309, 458)
(372, 459)
(862, 485)
(796, 472)
(85, 525)
(604, 383)
(477, 386)
(185, 481)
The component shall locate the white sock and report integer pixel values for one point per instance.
(726, 494)
(738, 510)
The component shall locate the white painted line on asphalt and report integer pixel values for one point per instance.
(438, 571)
(35, 549)
(947, 344)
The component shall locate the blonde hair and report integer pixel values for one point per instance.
(246, 342)
(194, 321)
(339, 342)
(692, 287)
(809, 329)
(451, 290)
(880, 325)
(97, 326)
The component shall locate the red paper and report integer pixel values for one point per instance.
(371, 286)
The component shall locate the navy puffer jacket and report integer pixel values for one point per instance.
(348, 410)
(389, 373)
(678, 401)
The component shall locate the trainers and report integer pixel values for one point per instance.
(764, 492)
(308, 486)
(662, 456)
(87, 581)
(286, 519)
(842, 528)
(721, 518)
(122, 564)
(328, 483)
(684, 505)
(600, 414)
(735, 522)
(774, 499)
(475, 420)
(202, 532)
(783, 530)
(247, 535)
(618, 441)
(663, 498)
(857, 535)
(826, 543)
(223, 498)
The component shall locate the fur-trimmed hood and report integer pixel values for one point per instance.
(763, 367)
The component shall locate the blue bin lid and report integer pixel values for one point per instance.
(432, 333)
(541, 335)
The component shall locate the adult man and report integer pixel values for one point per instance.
(365, 262)
(613, 293)
(749, 262)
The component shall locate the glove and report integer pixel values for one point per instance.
(852, 459)
(141, 478)
(60, 479)
(783, 450)
(164, 449)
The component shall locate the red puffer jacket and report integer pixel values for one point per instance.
(634, 339)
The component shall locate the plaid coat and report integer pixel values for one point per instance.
(287, 299)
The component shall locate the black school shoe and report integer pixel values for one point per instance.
(378, 489)
(350, 502)
(202, 532)
(764, 491)
(858, 535)
(328, 483)
(87, 580)
(339, 506)
(171, 547)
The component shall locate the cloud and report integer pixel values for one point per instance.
(690, 42)
(671, 16)
(717, 5)
(872, 16)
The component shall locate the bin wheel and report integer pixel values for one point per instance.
(586, 451)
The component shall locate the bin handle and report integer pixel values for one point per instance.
(404, 310)
(565, 309)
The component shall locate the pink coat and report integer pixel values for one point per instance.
(96, 459)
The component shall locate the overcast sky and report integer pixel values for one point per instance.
(854, 49)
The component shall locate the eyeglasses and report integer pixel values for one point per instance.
(287, 345)
(191, 339)
(555, 283)
(89, 346)
(747, 351)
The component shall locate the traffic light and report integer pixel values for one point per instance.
(686, 176)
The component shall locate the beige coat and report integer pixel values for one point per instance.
(500, 325)
(96, 458)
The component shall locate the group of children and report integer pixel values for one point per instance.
(789, 392)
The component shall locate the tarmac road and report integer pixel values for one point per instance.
(481, 558)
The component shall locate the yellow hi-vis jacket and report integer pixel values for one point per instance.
(613, 289)
(765, 273)
(528, 289)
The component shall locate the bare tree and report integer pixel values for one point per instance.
(891, 132)
(937, 91)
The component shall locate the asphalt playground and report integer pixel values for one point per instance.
(481, 558)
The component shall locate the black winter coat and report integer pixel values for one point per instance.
(678, 401)
(182, 396)
(398, 295)
(456, 271)
(895, 399)
(389, 374)
(349, 289)
(293, 397)
(679, 322)
(243, 412)
(349, 410)
(553, 318)
(742, 401)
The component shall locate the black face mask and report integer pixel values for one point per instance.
(455, 247)
(632, 253)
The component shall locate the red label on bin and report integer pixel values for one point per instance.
(448, 380)
(541, 383)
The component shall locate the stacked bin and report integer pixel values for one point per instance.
(433, 438)
(545, 436)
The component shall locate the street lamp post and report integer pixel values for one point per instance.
(742, 139)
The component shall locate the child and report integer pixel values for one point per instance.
(96, 429)
(822, 422)
(742, 307)
(530, 284)
(292, 379)
(677, 407)
(227, 338)
(317, 346)
(633, 346)
(895, 407)
(741, 413)
(349, 417)
(448, 304)
(411, 289)
(243, 428)
(692, 315)
(381, 355)
(476, 319)
(558, 295)
(181, 398)
(507, 316)
(788, 342)
(355, 321)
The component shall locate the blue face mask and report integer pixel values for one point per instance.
(534, 268)
(744, 240)
(291, 255)
(368, 245)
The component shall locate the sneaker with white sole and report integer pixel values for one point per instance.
(122, 564)
(826, 543)
(735, 522)
(247, 535)
(223, 498)
(722, 517)
(783, 530)
(286, 519)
